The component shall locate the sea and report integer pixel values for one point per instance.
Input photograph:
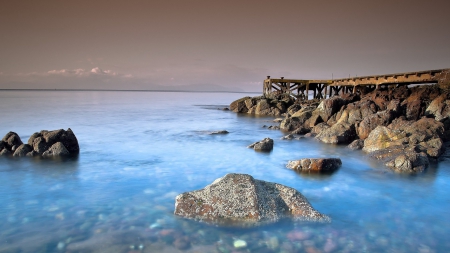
(139, 150)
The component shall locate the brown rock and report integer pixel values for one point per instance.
(315, 164)
(382, 137)
(23, 150)
(56, 149)
(264, 145)
(11, 139)
(241, 200)
(356, 144)
(239, 105)
(339, 133)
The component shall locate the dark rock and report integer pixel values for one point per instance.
(23, 150)
(293, 109)
(32, 153)
(56, 149)
(39, 145)
(328, 107)
(5, 152)
(11, 139)
(439, 108)
(220, 132)
(301, 130)
(274, 128)
(339, 133)
(356, 144)
(239, 105)
(263, 107)
(241, 200)
(225, 109)
(287, 137)
(278, 120)
(319, 128)
(33, 137)
(264, 145)
(382, 118)
(315, 164)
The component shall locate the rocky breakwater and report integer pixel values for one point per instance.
(405, 128)
(44, 143)
(240, 200)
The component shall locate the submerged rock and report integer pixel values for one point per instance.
(220, 132)
(315, 164)
(240, 200)
(264, 145)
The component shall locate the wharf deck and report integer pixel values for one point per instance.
(301, 88)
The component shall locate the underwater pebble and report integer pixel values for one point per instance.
(61, 246)
(240, 244)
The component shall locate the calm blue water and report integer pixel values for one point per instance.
(141, 149)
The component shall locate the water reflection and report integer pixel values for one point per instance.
(139, 150)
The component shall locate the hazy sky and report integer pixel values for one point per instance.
(132, 44)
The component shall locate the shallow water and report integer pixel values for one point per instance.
(141, 149)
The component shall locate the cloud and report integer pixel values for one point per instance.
(78, 72)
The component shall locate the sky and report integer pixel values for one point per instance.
(214, 44)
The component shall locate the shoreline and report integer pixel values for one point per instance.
(405, 128)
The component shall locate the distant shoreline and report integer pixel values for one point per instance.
(131, 90)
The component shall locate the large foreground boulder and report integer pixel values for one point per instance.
(240, 200)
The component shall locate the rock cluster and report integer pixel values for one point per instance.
(274, 105)
(404, 127)
(44, 143)
(241, 200)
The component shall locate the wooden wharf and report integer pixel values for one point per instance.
(321, 89)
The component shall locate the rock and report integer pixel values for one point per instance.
(39, 145)
(409, 162)
(23, 150)
(315, 164)
(339, 133)
(69, 140)
(5, 152)
(263, 107)
(382, 118)
(56, 149)
(225, 109)
(356, 144)
(293, 109)
(278, 120)
(264, 145)
(32, 137)
(239, 244)
(240, 200)
(11, 139)
(296, 121)
(182, 243)
(274, 128)
(382, 138)
(439, 108)
(220, 132)
(301, 130)
(319, 128)
(327, 108)
(239, 105)
(287, 137)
